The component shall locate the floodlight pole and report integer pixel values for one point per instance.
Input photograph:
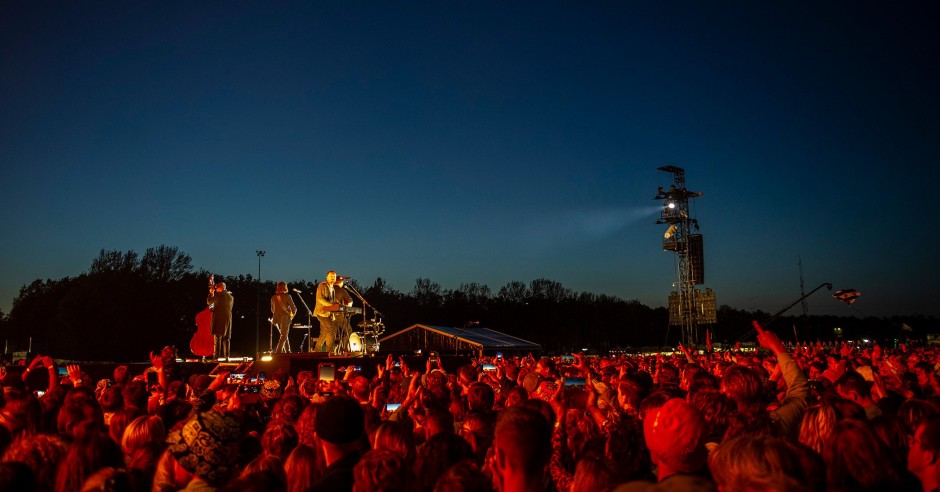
(260, 253)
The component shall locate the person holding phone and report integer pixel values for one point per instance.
(283, 311)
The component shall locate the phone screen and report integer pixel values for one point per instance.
(327, 372)
(391, 407)
(63, 371)
(574, 381)
(489, 367)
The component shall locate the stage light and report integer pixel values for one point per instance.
(670, 205)
(266, 358)
(670, 232)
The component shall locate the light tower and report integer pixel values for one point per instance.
(688, 307)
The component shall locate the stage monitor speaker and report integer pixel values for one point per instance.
(697, 258)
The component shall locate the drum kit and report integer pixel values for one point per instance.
(368, 339)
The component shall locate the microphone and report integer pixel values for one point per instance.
(297, 291)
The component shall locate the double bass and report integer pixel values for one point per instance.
(203, 344)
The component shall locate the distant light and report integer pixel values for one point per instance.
(864, 340)
(671, 204)
(267, 358)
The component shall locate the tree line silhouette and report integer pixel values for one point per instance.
(126, 305)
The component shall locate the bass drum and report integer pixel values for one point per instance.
(357, 342)
(355, 345)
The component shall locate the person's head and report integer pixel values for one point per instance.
(753, 462)
(915, 411)
(522, 445)
(852, 386)
(465, 476)
(279, 438)
(593, 472)
(396, 437)
(856, 459)
(220, 287)
(142, 431)
(742, 385)
(480, 397)
(546, 368)
(477, 428)
(302, 467)
(439, 453)
(331, 277)
(360, 387)
(86, 456)
(381, 469)
(817, 426)
(515, 396)
(340, 423)
(206, 445)
(923, 456)
(675, 435)
(42, 453)
(281, 287)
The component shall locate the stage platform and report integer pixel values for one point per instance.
(292, 363)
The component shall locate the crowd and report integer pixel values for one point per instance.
(809, 417)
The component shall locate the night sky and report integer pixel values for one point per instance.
(479, 142)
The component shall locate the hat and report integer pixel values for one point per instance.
(206, 445)
(531, 381)
(675, 434)
(340, 420)
(271, 389)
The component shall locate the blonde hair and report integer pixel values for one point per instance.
(819, 422)
(142, 431)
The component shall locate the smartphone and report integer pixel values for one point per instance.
(574, 381)
(326, 371)
(251, 388)
(391, 407)
(433, 357)
(489, 367)
(499, 355)
(152, 378)
(63, 371)
(40, 393)
(397, 364)
(236, 378)
(567, 359)
(358, 368)
(261, 377)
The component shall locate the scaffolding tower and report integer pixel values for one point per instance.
(688, 307)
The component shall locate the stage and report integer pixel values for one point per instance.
(292, 363)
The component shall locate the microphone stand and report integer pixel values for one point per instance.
(376, 318)
(309, 321)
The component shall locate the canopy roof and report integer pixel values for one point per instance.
(448, 338)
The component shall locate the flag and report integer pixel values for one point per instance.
(847, 296)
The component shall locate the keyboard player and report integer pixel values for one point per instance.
(331, 297)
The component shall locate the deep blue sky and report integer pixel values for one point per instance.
(479, 141)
